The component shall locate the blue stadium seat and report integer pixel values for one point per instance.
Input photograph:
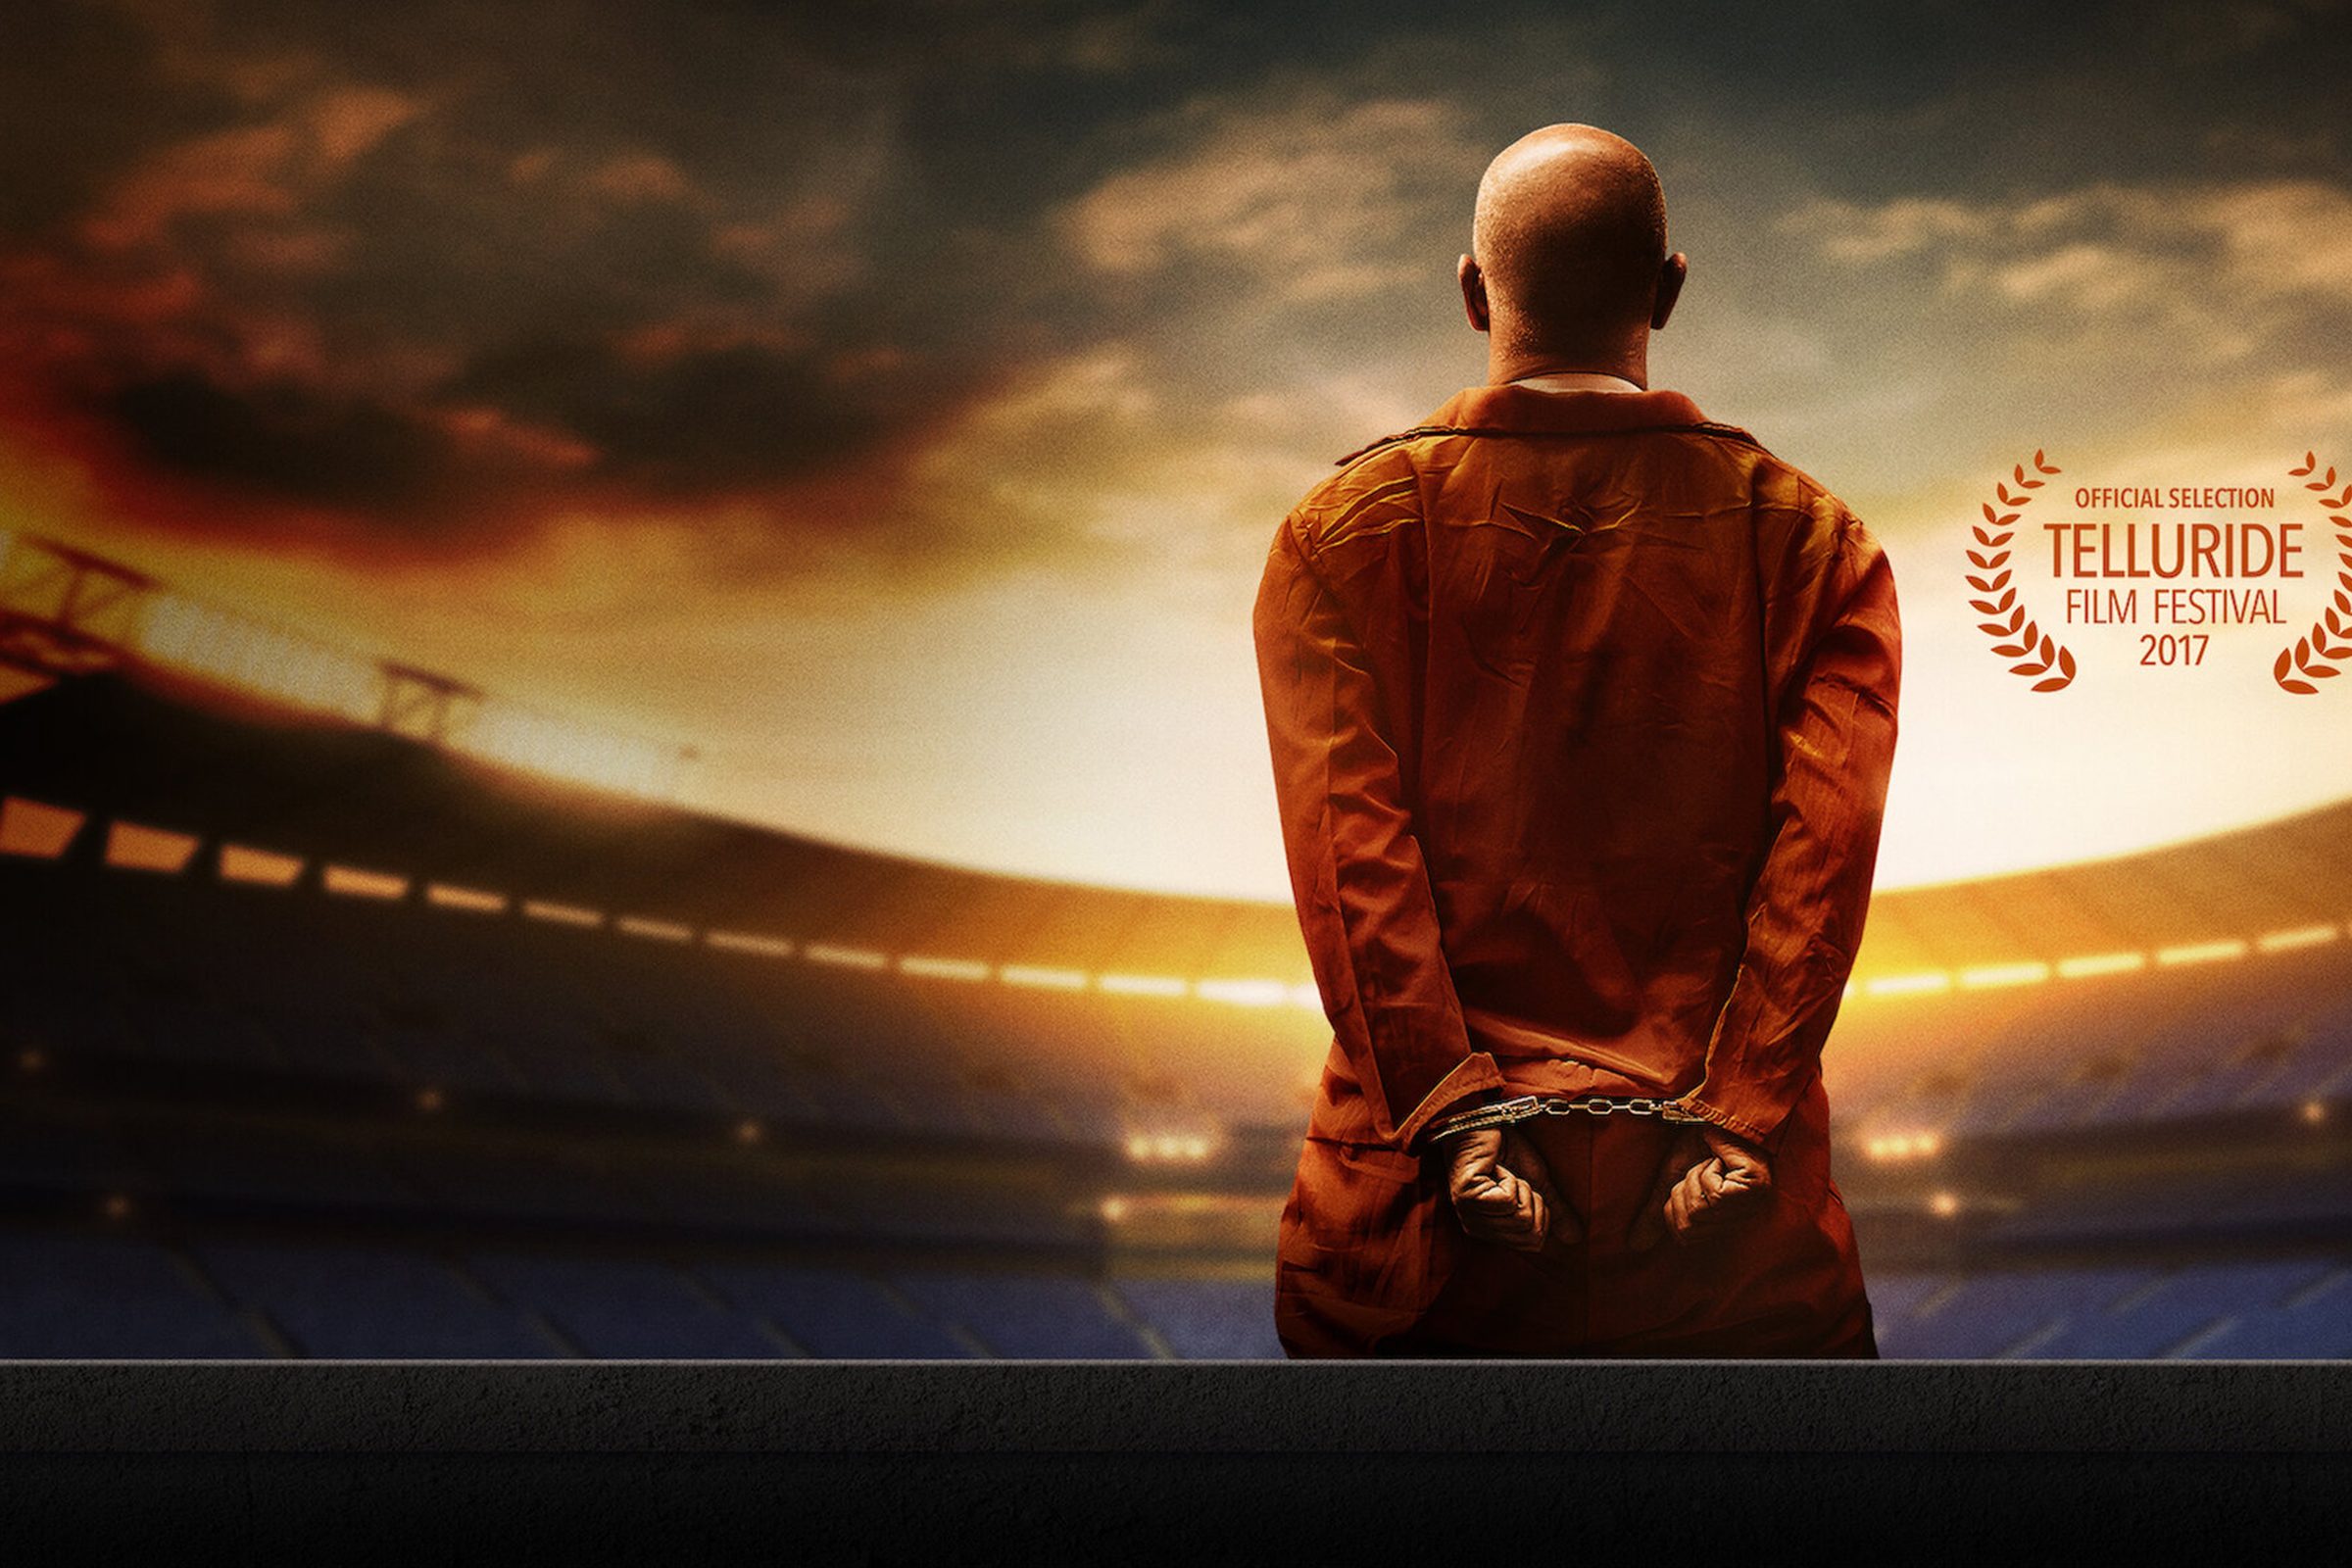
(341, 1302)
(2288, 1311)
(1026, 1316)
(1207, 1319)
(1894, 1296)
(833, 1311)
(625, 1309)
(2002, 1314)
(96, 1295)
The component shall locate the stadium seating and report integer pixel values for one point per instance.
(249, 1120)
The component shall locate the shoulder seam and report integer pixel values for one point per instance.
(1705, 427)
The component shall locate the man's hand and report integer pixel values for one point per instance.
(1503, 1191)
(1709, 1176)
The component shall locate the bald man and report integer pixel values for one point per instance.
(1581, 707)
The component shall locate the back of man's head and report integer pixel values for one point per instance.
(1570, 237)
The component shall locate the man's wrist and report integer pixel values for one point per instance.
(1461, 1119)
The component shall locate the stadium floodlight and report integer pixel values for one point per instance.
(752, 943)
(1169, 1146)
(67, 609)
(242, 863)
(2004, 974)
(36, 830)
(561, 913)
(2100, 963)
(1035, 974)
(353, 882)
(133, 847)
(1899, 985)
(847, 958)
(1892, 1146)
(1140, 985)
(89, 607)
(942, 968)
(448, 896)
(638, 925)
(2302, 936)
(1244, 992)
(2202, 952)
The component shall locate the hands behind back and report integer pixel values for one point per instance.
(1708, 1177)
(1503, 1191)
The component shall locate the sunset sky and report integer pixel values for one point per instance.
(895, 403)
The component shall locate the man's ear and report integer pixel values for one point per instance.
(1671, 273)
(1474, 293)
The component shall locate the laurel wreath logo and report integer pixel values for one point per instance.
(2016, 635)
(2331, 636)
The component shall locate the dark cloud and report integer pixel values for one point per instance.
(436, 271)
(287, 443)
(718, 421)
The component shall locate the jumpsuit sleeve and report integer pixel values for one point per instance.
(1358, 873)
(1806, 910)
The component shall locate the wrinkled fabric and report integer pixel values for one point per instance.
(1581, 708)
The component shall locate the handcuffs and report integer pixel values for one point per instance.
(1506, 1111)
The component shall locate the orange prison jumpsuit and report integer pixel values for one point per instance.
(1580, 710)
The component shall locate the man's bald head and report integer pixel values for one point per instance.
(1568, 246)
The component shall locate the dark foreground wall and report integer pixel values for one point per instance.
(1053, 1462)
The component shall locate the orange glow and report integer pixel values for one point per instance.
(748, 942)
(242, 652)
(943, 968)
(2102, 963)
(131, 847)
(2201, 952)
(541, 744)
(42, 832)
(352, 882)
(1244, 992)
(242, 863)
(657, 930)
(1143, 985)
(2309, 936)
(2005, 974)
(443, 896)
(851, 958)
(1026, 974)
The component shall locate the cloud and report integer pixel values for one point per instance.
(1317, 198)
(327, 289)
(2116, 281)
(2106, 245)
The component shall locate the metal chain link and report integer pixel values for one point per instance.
(1503, 1113)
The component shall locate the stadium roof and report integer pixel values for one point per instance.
(140, 745)
(129, 702)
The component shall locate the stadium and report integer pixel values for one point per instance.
(350, 1014)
